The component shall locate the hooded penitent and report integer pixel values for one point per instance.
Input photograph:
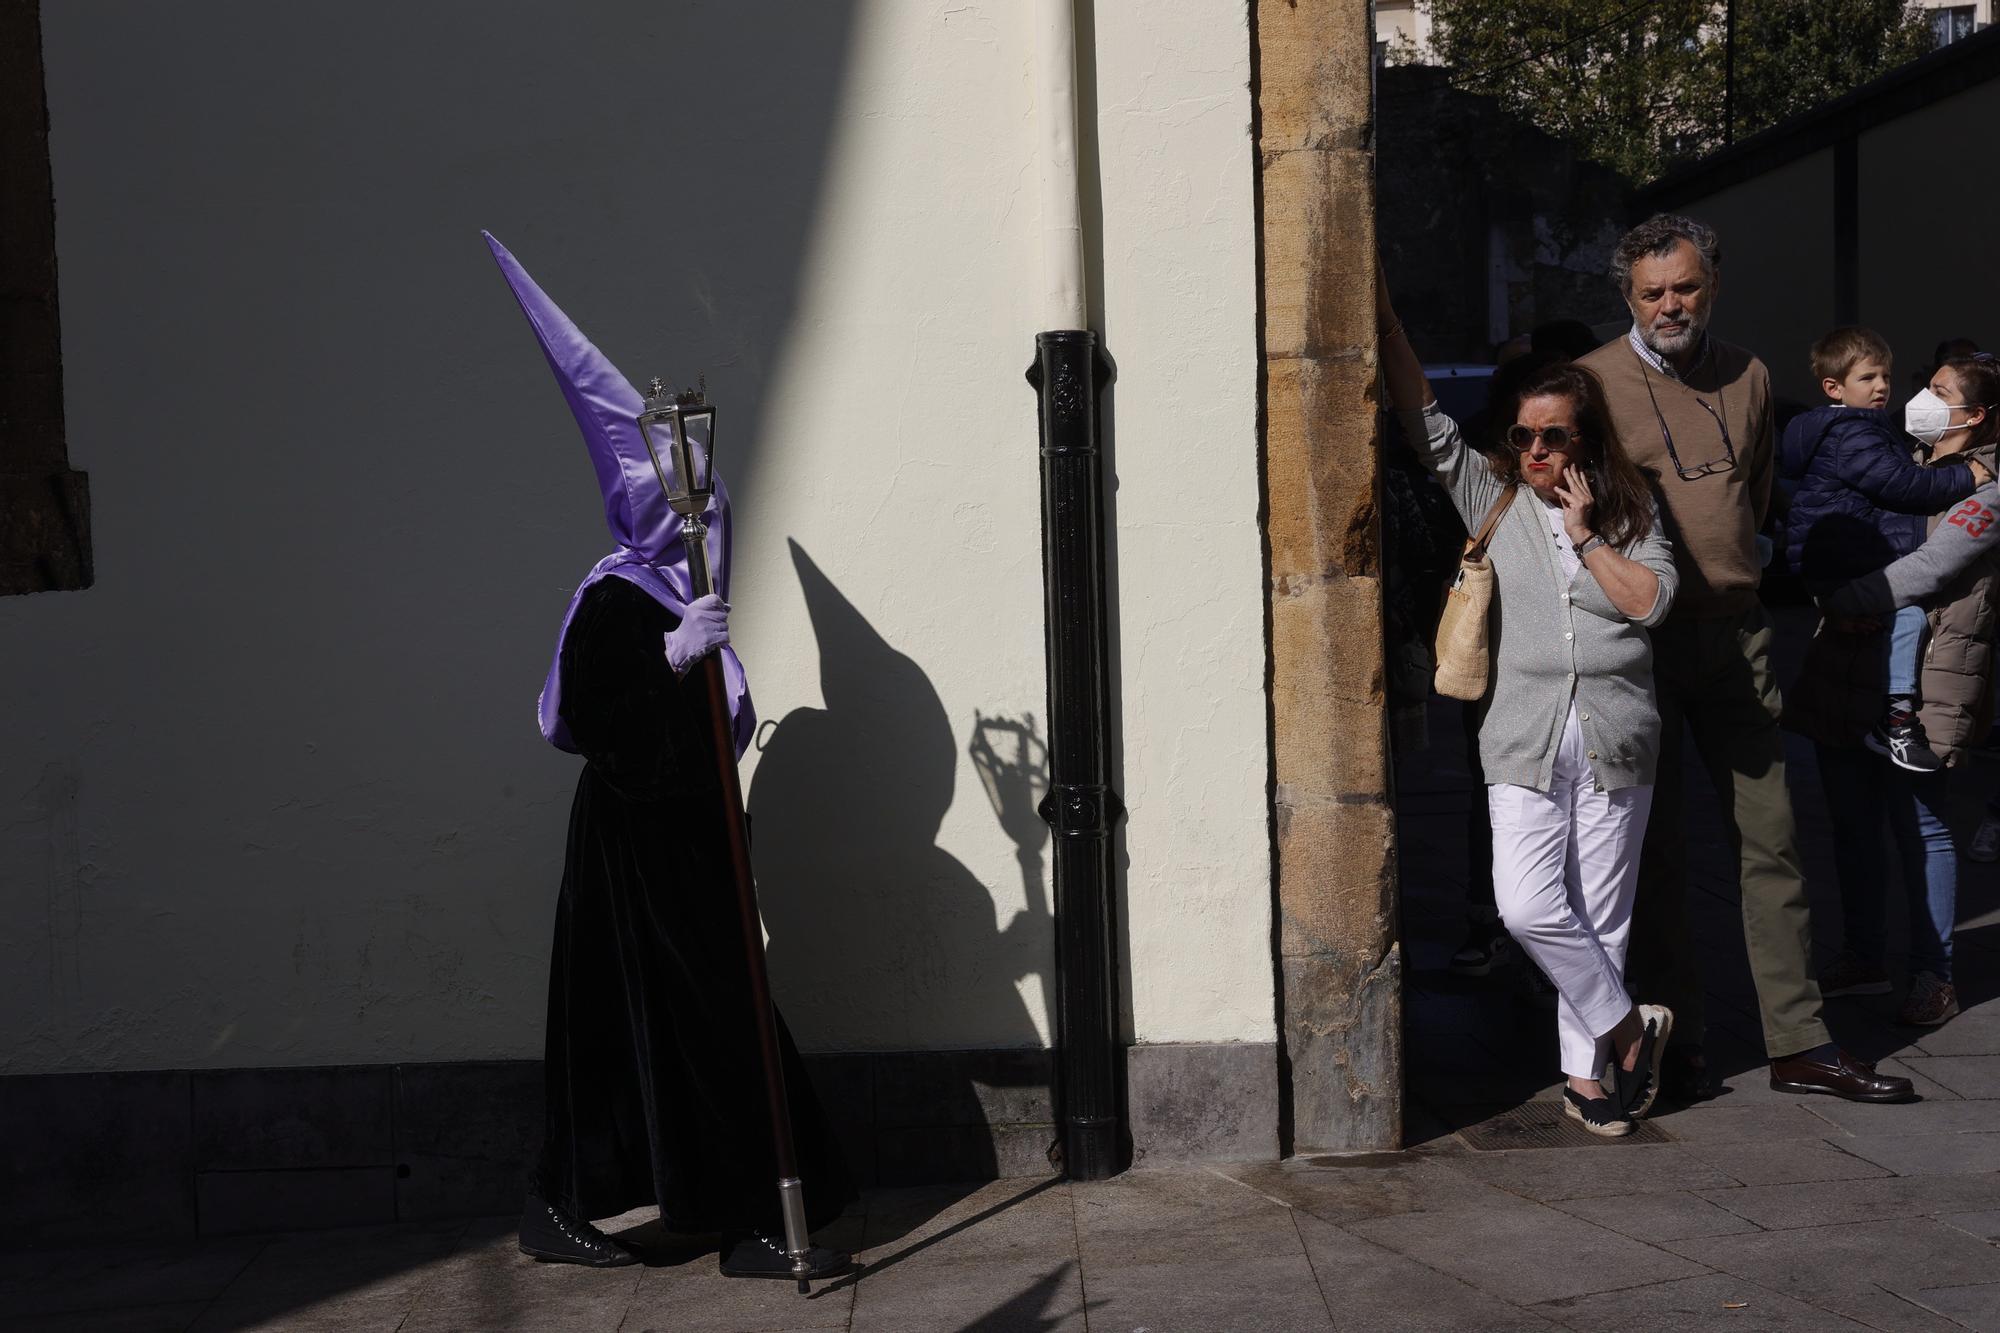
(651, 553)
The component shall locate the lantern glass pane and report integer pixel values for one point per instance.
(659, 433)
(699, 424)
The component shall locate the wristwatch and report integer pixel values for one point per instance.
(1589, 544)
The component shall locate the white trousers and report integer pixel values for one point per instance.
(1565, 866)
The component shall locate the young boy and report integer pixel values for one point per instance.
(1861, 503)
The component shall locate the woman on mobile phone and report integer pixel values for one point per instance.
(1571, 734)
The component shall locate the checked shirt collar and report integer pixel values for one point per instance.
(1658, 362)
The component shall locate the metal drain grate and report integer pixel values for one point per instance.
(1543, 1125)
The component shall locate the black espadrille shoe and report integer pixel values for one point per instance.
(1599, 1115)
(1638, 1087)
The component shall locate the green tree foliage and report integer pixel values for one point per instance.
(1640, 86)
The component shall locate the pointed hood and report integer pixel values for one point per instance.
(607, 408)
(651, 552)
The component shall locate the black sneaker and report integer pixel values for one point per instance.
(1685, 1077)
(758, 1255)
(1599, 1115)
(554, 1237)
(1900, 736)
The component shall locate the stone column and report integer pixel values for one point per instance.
(1339, 962)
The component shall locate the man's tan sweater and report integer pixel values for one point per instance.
(1711, 520)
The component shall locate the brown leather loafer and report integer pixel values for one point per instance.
(1843, 1076)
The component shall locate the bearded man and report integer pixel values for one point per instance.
(1694, 413)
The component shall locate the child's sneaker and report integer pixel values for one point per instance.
(1933, 1000)
(1985, 846)
(1900, 736)
(1848, 975)
(1487, 946)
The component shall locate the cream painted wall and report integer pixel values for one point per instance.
(272, 791)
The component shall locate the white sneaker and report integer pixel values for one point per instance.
(1985, 845)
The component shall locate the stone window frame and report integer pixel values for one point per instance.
(44, 503)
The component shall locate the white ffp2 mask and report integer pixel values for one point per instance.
(1928, 417)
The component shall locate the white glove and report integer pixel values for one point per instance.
(702, 630)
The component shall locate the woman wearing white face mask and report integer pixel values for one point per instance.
(1955, 574)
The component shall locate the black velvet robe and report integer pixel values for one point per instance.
(655, 1089)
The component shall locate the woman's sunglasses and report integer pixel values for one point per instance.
(1558, 439)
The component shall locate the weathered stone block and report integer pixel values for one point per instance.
(238, 1201)
(95, 1154)
(249, 1119)
(466, 1132)
(1343, 1023)
(1340, 859)
(1203, 1103)
(1320, 470)
(1319, 269)
(1321, 52)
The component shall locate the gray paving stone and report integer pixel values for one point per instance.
(488, 1284)
(1786, 1161)
(1156, 1217)
(1938, 1117)
(366, 1278)
(1347, 1193)
(34, 1282)
(1547, 1174)
(1976, 1032)
(1976, 1307)
(1375, 1288)
(1696, 1303)
(1984, 1225)
(1657, 1217)
(694, 1297)
(1720, 1123)
(1788, 1207)
(1506, 1251)
(1972, 1076)
(1901, 1255)
(1009, 1220)
(1914, 1069)
(993, 1298)
(1931, 1154)
(1242, 1296)
(136, 1319)
(1887, 1312)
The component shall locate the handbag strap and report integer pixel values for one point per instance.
(1475, 547)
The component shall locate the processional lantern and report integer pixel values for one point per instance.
(679, 429)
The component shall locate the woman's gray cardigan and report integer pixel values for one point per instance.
(1551, 636)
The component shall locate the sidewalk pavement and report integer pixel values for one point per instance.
(1756, 1211)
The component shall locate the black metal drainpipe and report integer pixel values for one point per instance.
(1081, 808)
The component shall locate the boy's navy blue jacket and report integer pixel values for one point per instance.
(1861, 501)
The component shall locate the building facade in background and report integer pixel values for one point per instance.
(284, 841)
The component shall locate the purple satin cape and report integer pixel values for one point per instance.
(652, 552)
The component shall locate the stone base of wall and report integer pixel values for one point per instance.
(162, 1153)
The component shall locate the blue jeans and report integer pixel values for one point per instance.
(1862, 793)
(1903, 646)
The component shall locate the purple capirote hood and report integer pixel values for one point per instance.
(651, 553)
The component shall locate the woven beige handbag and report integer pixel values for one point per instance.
(1464, 662)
